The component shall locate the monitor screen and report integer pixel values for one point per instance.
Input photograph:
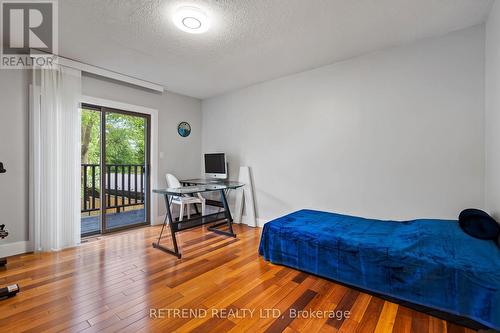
(215, 163)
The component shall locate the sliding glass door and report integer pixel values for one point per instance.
(126, 141)
(115, 163)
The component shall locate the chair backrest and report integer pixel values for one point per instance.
(172, 181)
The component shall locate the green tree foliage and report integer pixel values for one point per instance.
(124, 138)
(90, 137)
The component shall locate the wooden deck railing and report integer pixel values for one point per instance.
(125, 186)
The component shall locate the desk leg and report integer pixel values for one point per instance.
(229, 219)
(168, 217)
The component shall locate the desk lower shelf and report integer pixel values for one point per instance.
(197, 221)
(219, 220)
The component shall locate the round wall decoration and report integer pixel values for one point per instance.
(184, 129)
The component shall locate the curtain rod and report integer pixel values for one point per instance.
(99, 71)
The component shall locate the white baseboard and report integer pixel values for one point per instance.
(11, 249)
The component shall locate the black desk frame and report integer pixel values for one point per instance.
(223, 218)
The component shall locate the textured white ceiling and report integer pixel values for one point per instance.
(250, 41)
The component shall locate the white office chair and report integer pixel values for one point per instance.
(182, 200)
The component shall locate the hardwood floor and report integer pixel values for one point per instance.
(120, 283)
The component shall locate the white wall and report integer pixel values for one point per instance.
(393, 134)
(181, 155)
(14, 154)
(493, 111)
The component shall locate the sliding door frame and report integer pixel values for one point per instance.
(156, 217)
(147, 162)
(104, 111)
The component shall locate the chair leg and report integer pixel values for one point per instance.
(188, 208)
(203, 205)
(181, 212)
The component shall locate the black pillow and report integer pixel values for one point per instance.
(478, 224)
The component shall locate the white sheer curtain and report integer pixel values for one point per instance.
(55, 158)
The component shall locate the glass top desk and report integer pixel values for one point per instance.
(223, 218)
(201, 181)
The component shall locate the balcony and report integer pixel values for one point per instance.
(124, 197)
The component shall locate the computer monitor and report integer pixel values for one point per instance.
(215, 166)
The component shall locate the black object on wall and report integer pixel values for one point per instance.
(13, 289)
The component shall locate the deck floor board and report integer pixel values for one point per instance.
(91, 224)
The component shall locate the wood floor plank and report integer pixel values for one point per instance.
(263, 305)
(329, 301)
(295, 298)
(280, 324)
(420, 322)
(359, 307)
(402, 322)
(436, 325)
(323, 289)
(371, 317)
(453, 328)
(113, 282)
(343, 307)
(348, 326)
(387, 318)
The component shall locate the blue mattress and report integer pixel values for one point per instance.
(426, 262)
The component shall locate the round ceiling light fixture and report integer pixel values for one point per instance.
(191, 19)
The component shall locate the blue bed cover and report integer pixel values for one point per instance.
(426, 262)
